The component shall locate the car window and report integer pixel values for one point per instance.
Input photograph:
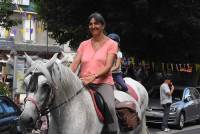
(1, 109)
(187, 93)
(195, 93)
(8, 107)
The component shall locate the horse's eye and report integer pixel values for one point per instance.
(45, 86)
(32, 86)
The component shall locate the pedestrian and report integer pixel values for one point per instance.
(116, 69)
(10, 67)
(4, 68)
(95, 57)
(166, 91)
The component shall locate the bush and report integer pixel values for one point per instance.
(4, 89)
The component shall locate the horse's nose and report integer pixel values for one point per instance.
(26, 120)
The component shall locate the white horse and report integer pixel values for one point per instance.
(55, 87)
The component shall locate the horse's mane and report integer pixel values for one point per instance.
(65, 79)
(59, 76)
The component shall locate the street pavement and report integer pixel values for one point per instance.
(190, 128)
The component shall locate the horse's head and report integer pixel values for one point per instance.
(39, 88)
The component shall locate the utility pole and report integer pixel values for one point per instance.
(47, 54)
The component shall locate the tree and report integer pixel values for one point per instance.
(6, 10)
(176, 29)
(158, 30)
(67, 19)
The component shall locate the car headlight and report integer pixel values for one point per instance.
(173, 109)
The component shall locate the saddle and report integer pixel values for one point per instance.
(127, 115)
(126, 112)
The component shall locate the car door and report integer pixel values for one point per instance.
(189, 107)
(197, 102)
(7, 118)
(4, 127)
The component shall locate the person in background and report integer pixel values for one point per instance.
(116, 69)
(166, 91)
(4, 68)
(10, 66)
(95, 57)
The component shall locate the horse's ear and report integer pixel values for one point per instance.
(49, 64)
(63, 53)
(65, 58)
(28, 59)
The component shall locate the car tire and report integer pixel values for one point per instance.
(198, 121)
(181, 121)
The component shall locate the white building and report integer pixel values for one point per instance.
(30, 35)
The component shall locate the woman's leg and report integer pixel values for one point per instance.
(107, 92)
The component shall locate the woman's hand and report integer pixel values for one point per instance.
(88, 79)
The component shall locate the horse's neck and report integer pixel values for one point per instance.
(68, 87)
(67, 83)
(77, 110)
(76, 116)
(63, 113)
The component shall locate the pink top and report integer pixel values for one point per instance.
(92, 60)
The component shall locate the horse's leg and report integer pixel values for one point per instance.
(144, 129)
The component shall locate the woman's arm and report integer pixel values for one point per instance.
(101, 72)
(77, 60)
(106, 69)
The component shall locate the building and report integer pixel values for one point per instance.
(29, 36)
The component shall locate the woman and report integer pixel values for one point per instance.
(116, 69)
(95, 57)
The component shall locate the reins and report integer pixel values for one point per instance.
(64, 102)
(42, 111)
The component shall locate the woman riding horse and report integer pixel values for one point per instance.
(53, 88)
(95, 57)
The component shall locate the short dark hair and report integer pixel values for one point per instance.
(167, 77)
(98, 17)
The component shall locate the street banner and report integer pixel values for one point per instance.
(21, 2)
(20, 72)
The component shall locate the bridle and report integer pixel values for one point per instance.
(47, 106)
(34, 85)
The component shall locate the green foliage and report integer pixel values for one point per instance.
(4, 89)
(173, 29)
(6, 10)
(67, 19)
(158, 30)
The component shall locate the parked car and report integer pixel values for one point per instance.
(9, 113)
(185, 106)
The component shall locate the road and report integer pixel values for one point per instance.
(191, 128)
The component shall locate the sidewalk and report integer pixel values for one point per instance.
(186, 130)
